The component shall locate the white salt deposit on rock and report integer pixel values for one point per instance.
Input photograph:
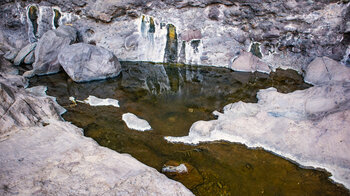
(95, 101)
(134, 122)
(175, 169)
(311, 127)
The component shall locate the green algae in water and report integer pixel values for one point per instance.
(171, 98)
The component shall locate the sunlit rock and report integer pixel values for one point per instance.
(134, 122)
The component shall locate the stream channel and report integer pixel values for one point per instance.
(171, 98)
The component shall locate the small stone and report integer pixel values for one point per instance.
(23, 53)
(214, 13)
(10, 55)
(30, 58)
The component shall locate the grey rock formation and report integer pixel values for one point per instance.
(23, 53)
(291, 33)
(11, 54)
(19, 109)
(48, 47)
(247, 62)
(85, 62)
(6, 67)
(324, 69)
(13, 80)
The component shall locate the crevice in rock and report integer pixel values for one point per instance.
(33, 17)
(56, 18)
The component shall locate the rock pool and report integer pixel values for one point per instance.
(171, 98)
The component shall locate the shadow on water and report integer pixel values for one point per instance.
(171, 98)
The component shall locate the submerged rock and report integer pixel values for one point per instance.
(48, 48)
(175, 169)
(248, 62)
(134, 122)
(324, 69)
(183, 172)
(84, 62)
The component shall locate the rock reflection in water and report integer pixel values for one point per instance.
(171, 98)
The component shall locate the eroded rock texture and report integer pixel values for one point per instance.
(281, 33)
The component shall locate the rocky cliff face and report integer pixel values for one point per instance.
(281, 33)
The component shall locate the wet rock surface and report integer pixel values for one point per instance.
(84, 62)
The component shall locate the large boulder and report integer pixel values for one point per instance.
(247, 62)
(324, 69)
(48, 47)
(85, 62)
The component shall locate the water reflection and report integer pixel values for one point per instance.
(171, 98)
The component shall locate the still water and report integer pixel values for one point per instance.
(171, 98)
